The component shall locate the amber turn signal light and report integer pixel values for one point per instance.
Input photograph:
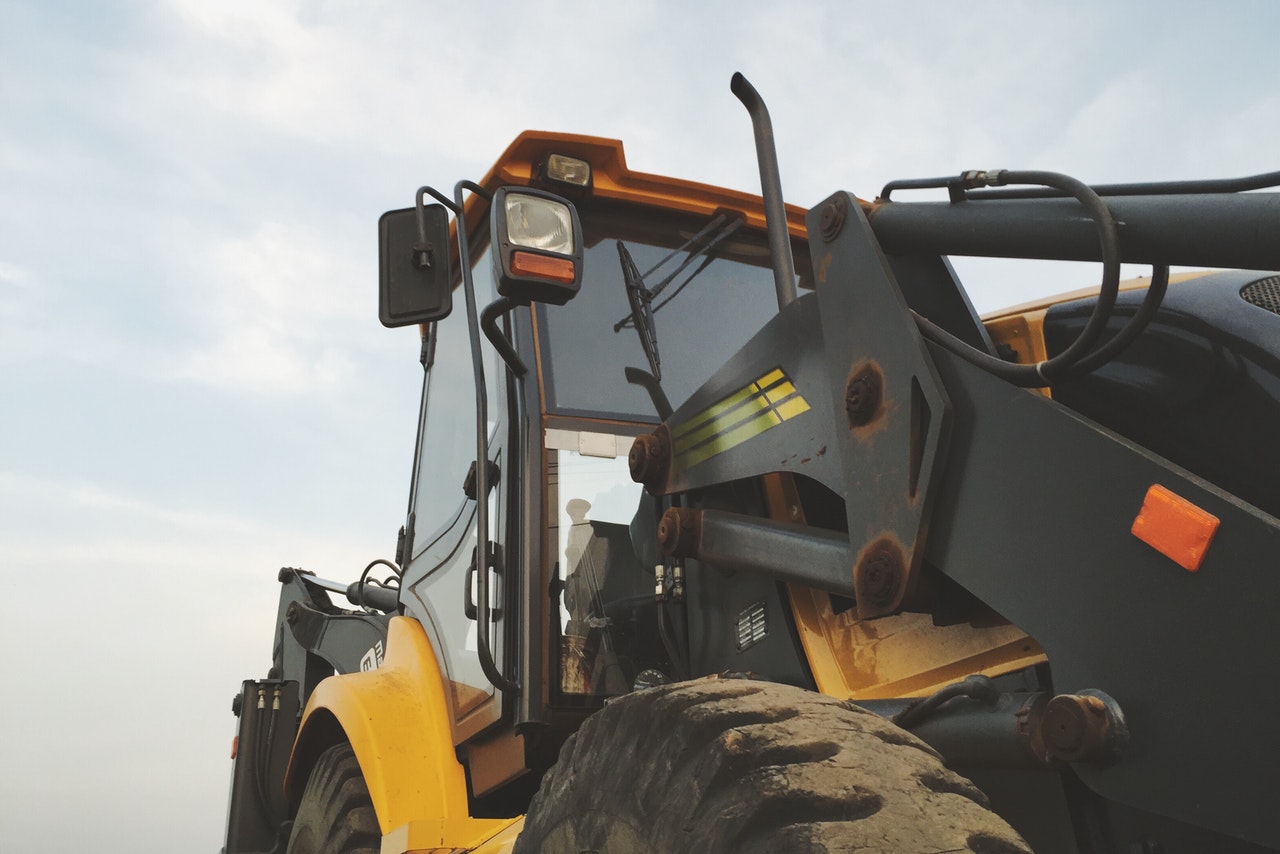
(543, 266)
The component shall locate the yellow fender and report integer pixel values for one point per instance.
(396, 719)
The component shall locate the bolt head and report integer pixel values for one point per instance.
(1075, 727)
(648, 460)
(831, 220)
(863, 395)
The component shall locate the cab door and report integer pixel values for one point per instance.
(438, 588)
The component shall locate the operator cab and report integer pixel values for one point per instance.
(571, 532)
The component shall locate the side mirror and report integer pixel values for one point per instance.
(537, 246)
(413, 263)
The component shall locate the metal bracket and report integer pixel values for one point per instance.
(895, 411)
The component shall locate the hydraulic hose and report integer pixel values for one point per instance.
(1131, 330)
(1065, 363)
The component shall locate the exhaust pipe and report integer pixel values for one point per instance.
(775, 212)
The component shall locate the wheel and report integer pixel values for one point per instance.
(336, 815)
(729, 765)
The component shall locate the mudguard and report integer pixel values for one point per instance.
(396, 720)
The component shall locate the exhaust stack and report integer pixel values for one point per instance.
(775, 213)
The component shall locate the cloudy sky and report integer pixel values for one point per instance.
(194, 387)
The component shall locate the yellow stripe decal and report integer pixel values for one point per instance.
(793, 407)
(746, 413)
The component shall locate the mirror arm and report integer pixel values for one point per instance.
(423, 249)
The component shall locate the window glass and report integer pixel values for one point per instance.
(701, 317)
(606, 613)
(449, 433)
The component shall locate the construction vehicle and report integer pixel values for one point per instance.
(732, 527)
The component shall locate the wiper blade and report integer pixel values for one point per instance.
(641, 299)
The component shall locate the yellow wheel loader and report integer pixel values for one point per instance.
(734, 528)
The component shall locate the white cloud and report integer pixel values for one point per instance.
(20, 306)
(274, 308)
(1120, 134)
(137, 621)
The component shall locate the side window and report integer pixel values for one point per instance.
(449, 428)
(444, 539)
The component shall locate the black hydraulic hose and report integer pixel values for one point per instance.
(1047, 372)
(669, 644)
(1263, 181)
(1131, 330)
(775, 211)
(959, 192)
(978, 687)
(483, 652)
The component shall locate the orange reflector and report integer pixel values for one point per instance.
(1175, 527)
(543, 266)
(235, 745)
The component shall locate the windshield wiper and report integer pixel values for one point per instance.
(641, 300)
(721, 226)
(641, 297)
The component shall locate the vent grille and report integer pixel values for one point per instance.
(752, 626)
(1264, 293)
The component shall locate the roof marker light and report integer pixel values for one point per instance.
(568, 170)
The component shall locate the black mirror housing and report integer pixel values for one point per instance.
(536, 239)
(415, 278)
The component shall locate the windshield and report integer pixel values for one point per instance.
(704, 314)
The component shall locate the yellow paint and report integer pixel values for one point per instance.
(791, 408)
(693, 429)
(1022, 327)
(1024, 333)
(779, 393)
(1136, 284)
(900, 656)
(410, 840)
(397, 721)
(760, 405)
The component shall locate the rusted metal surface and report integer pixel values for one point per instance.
(1085, 727)
(833, 215)
(896, 411)
(680, 532)
(650, 458)
(973, 724)
(864, 394)
(782, 550)
(880, 577)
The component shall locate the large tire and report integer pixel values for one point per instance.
(336, 815)
(729, 765)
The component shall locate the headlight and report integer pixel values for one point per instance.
(537, 246)
(535, 222)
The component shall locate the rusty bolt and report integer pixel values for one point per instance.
(832, 220)
(1076, 728)
(679, 531)
(878, 577)
(863, 394)
(291, 613)
(649, 459)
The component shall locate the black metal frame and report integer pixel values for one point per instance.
(1032, 503)
(313, 640)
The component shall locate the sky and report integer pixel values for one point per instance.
(195, 389)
